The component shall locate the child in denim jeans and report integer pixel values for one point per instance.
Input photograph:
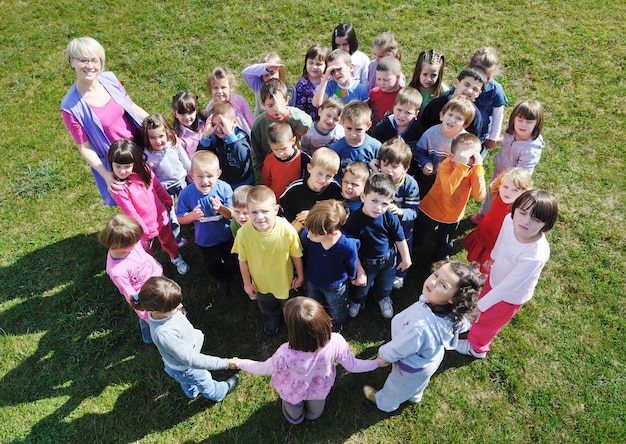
(331, 259)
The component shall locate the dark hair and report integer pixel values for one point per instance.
(380, 183)
(314, 52)
(529, 110)
(273, 88)
(430, 57)
(125, 151)
(308, 324)
(475, 72)
(346, 30)
(466, 296)
(156, 121)
(158, 294)
(395, 150)
(185, 102)
(279, 132)
(541, 204)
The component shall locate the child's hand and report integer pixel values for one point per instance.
(394, 209)
(301, 216)
(233, 363)
(217, 203)
(297, 225)
(490, 144)
(329, 71)
(250, 289)
(297, 282)
(428, 169)
(382, 362)
(404, 265)
(208, 127)
(375, 165)
(273, 67)
(477, 159)
(474, 315)
(197, 213)
(360, 281)
(488, 264)
(227, 126)
(464, 157)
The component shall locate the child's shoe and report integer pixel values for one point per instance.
(465, 348)
(476, 218)
(353, 309)
(232, 382)
(386, 307)
(398, 282)
(271, 326)
(181, 265)
(370, 393)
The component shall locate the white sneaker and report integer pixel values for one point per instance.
(465, 348)
(386, 308)
(398, 283)
(353, 309)
(181, 265)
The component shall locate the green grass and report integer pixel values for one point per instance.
(72, 365)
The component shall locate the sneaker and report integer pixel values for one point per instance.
(398, 283)
(223, 288)
(370, 393)
(476, 218)
(353, 309)
(386, 308)
(181, 265)
(182, 242)
(465, 348)
(232, 382)
(271, 326)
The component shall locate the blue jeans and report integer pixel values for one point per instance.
(145, 331)
(336, 299)
(195, 381)
(380, 274)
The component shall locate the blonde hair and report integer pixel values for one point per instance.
(520, 177)
(279, 132)
(358, 169)
(409, 96)
(463, 106)
(396, 150)
(326, 217)
(333, 102)
(326, 159)
(240, 196)
(83, 47)
(487, 59)
(224, 109)
(357, 112)
(204, 159)
(121, 231)
(261, 194)
(221, 73)
(274, 59)
(387, 43)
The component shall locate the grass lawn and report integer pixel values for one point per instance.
(72, 365)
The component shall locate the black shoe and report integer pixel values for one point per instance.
(223, 288)
(271, 326)
(232, 382)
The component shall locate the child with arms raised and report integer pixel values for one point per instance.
(286, 163)
(331, 259)
(128, 264)
(303, 369)
(223, 137)
(444, 206)
(180, 344)
(384, 44)
(312, 72)
(270, 67)
(327, 129)
(143, 198)
(274, 98)
(187, 122)
(380, 233)
(428, 76)
(344, 38)
(383, 96)
(337, 80)
(269, 250)
(207, 204)
(221, 86)
(403, 120)
(520, 253)
(507, 187)
(421, 333)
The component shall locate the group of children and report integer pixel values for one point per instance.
(356, 169)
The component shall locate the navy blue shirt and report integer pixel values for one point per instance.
(378, 235)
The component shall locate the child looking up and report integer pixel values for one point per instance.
(520, 253)
(384, 44)
(207, 204)
(269, 250)
(143, 198)
(428, 76)
(492, 99)
(270, 67)
(312, 72)
(274, 98)
(167, 159)
(403, 121)
(421, 333)
(357, 145)
(223, 137)
(352, 184)
(128, 264)
(327, 129)
(507, 187)
(286, 163)
(179, 343)
(187, 122)
(383, 96)
(380, 233)
(240, 208)
(303, 369)
(317, 185)
(394, 158)
(444, 206)
(522, 145)
(434, 145)
(344, 38)
(468, 84)
(221, 86)
(342, 85)
(331, 259)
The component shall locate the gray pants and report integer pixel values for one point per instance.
(296, 413)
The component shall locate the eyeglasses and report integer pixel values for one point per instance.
(85, 62)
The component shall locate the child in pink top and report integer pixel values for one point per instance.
(303, 369)
(187, 122)
(143, 198)
(128, 264)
